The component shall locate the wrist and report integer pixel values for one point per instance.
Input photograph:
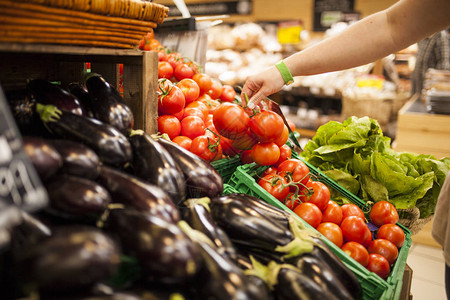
(285, 73)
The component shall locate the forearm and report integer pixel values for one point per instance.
(374, 37)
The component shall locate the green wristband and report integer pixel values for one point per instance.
(285, 73)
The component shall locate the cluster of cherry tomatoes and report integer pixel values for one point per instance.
(375, 248)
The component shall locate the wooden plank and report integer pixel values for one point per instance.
(149, 93)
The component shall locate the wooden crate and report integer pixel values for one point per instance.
(422, 132)
(20, 62)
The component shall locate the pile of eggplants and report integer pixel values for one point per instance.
(134, 216)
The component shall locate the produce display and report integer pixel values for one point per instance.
(358, 156)
(134, 216)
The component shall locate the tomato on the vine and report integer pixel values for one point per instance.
(170, 98)
(274, 185)
(291, 201)
(296, 171)
(355, 229)
(267, 126)
(183, 71)
(266, 154)
(206, 147)
(190, 89)
(230, 120)
(383, 212)
(385, 248)
(283, 137)
(285, 154)
(321, 194)
(244, 141)
(192, 111)
(393, 233)
(379, 265)
(183, 141)
(210, 103)
(174, 58)
(309, 212)
(332, 213)
(269, 170)
(227, 146)
(192, 127)
(228, 93)
(357, 251)
(169, 125)
(332, 232)
(246, 157)
(165, 70)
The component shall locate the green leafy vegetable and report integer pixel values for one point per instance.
(359, 158)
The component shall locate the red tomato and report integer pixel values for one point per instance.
(190, 89)
(206, 147)
(245, 141)
(356, 230)
(357, 251)
(210, 103)
(285, 154)
(204, 81)
(179, 115)
(246, 157)
(267, 126)
(170, 125)
(274, 185)
(321, 194)
(228, 93)
(192, 111)
(216, 89)
(332, 232)
(332, 213)
(183, 141)
(350, 209)
(292, 201)
(201, 106)
(392, 233)
(385, 248)
(230, 120)
(296, 171)
(269, 170)
(283, 137)
(310, 213)
(170, 98)
(192, 127)
(183, 71)
(265, 154)
(383, 212)
(165, 70)
(379, 265)
(174, 59)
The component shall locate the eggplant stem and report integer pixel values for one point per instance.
(259, 270)
(195, 235)
(205, 201)
(48, 113)
(295, 248)
(136, 132)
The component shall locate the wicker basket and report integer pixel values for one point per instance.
(410, 218)
(98, 23)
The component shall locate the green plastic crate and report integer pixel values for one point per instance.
(373, 286)
(226, 166)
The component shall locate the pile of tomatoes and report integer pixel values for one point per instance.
(374, 244)
(203, 115)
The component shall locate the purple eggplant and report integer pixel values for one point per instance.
(134, 192)
(48, 93)
(164, 252)
(76, 198)
(198, 216)
(82, 95)
(154, 164)
(111, 146)
(73, 258)
(44, 157)
(78, 159)
(108, 106)
(201, 179)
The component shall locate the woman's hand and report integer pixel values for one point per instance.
(258, 87)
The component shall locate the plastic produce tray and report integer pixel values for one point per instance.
(373, 286)
(227, 166)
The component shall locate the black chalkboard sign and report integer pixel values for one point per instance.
(328, 12)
